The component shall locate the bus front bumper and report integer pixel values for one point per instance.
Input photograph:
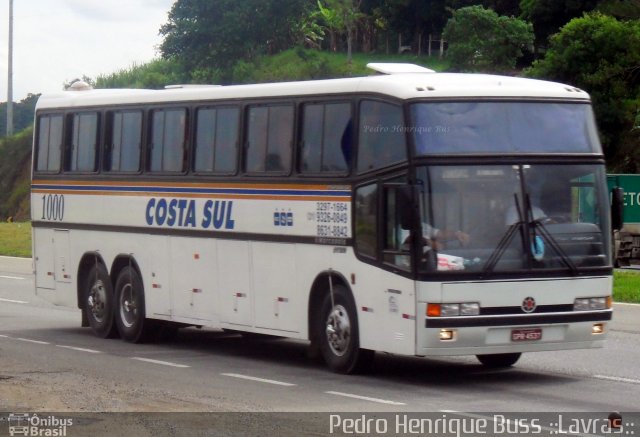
(509, 334)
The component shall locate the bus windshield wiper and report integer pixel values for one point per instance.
(537, 224)
(505, 240)
(546, 235)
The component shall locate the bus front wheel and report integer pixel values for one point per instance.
(496, 361)
(130, 308)
(338, 335)
(99, 302)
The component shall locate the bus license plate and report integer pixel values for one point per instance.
(533, 334)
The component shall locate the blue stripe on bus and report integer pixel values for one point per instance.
(240, 191)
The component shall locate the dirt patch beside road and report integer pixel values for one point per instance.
(25, 387)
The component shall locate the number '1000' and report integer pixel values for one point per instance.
(52, 207)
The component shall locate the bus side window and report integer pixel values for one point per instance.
(124, 138)
(49, 149)
(216, 143)
(82, 156)
(326, 138)
(168, 139)
(270, 136)
(382, 140)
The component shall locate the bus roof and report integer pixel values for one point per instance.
(399, 85)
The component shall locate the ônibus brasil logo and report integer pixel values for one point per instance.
(26, 424)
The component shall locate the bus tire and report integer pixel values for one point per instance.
(99, 303)
(338, 334)
(130, 315)
(496, 361)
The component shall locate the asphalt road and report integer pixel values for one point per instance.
(49, 363)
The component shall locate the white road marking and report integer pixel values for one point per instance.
(365, 398)
(80, 349)
(12, 277)
(32, 341)
(164, 363)
(627, 304)
(4, 336)
(253, 378)
(12, 301)
(617, 379)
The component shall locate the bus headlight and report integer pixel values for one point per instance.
(592, 303)
(581, 305)
(470, 309)
(449, 309)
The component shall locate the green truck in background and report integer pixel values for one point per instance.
(627, 239)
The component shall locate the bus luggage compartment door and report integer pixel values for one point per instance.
(61, 255)
(236, 298)
(44, 258)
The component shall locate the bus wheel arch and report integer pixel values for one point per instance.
(333, 325)
(95, 296)
(120, 262)
(319, 289)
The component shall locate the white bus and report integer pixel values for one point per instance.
(414, 213)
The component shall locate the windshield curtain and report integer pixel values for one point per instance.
(503, 127)
(507, 218)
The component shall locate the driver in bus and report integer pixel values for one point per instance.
(434, 238)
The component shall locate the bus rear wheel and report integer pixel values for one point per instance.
(496, 361)
(130, 316)
(99, 302)
(338, 334)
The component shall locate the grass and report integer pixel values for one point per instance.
(15, 239)
(626, 286)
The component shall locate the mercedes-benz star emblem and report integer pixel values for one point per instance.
(528, 304)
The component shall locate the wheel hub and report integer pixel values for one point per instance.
(128, 306)
(338, 330)
(97, 300)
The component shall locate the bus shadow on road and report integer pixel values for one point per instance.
(292, 356)
(446, 371)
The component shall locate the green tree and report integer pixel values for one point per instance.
(625, 9)
(548, 16)
(342, 16)
(206, 36)
(413, 19)
(502, 7)
(481, 40)
(601, 55)
(22, 114)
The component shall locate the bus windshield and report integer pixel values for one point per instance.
(507, 218)
(503, 127)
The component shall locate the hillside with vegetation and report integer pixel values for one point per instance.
(15, 176)
(591, 44)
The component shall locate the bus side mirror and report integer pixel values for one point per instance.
(617, 208)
